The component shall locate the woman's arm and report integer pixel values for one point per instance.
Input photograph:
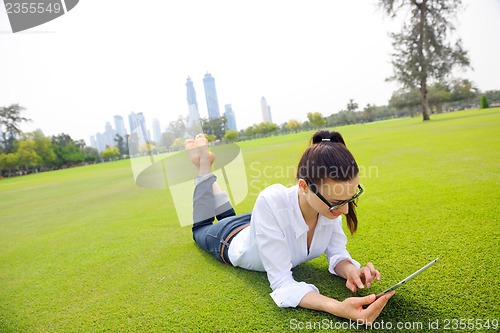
(350, 308)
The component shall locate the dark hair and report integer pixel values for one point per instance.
(328, 157)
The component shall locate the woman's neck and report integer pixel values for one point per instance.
(308, 213)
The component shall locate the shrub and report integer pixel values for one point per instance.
(484, 103)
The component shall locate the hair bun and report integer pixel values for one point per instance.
(327, 136)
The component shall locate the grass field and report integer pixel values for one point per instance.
(86, 250)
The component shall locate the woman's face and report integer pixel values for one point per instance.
(334, 192)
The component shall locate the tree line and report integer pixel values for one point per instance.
(24, 153)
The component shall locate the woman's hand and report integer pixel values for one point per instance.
(353, 308)
(358, 278)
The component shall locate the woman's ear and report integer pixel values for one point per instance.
(303, 186)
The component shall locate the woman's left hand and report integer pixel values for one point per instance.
(359, 278)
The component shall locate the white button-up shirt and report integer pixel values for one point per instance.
(276, 241)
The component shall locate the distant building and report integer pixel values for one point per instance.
(93, 143)
(211, 97)
(120, 126)
(137, 120)
(141, 121)
(156, 131)
(133, 121)
(100, 142)
(229, 114)
(109, 135)
(193, 118)
(266, 110)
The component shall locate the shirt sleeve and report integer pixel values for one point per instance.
(276, 257)
(336, 250)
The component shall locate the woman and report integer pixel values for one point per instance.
(289, 226)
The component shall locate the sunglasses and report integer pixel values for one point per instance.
(330, 205)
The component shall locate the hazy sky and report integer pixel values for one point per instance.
(111, 57)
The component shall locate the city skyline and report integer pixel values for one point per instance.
(107, 139)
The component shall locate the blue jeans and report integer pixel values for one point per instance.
(213, 238)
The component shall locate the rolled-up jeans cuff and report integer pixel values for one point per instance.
(203, 198)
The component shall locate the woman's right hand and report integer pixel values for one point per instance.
(364, 309)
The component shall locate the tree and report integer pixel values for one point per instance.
(483, 102)
(8, 162)
(120, 144)
(405, 99)
(231, 135)
(422, 52)
(369, 113)
(67, 151)
(493, 95)
(110, 153)
(27, 156)
(177, 127)
(352, 106)
(42, 146)
(463, 90)
(10, 119)
(177, 144)
(215, 126)
(265, 128)
(292, 125)
(250, 131)
(91, 154)
(439, 93)
(316, 119)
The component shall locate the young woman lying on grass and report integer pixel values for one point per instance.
(289, 226)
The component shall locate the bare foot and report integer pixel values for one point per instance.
(194, 154)
(206, 157)
(197, 149)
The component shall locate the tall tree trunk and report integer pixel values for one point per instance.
(424, 100)
(423, 61)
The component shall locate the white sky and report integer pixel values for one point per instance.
(111, 57)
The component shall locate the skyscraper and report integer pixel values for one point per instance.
(109, 135)
(229, 114)
(266, 110)
(211, 97)
(156, 130)
(193, 118)
(133, 121)
(120, 126)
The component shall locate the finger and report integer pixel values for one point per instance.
(382, 300)
(367, 274)
(374, 272)
(351, 286)
(375, 308)
(357, 281)
(360, 301)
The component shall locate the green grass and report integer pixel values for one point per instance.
(85, 250)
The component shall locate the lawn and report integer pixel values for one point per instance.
(86, 250)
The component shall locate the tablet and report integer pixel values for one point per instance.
(400, 283)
